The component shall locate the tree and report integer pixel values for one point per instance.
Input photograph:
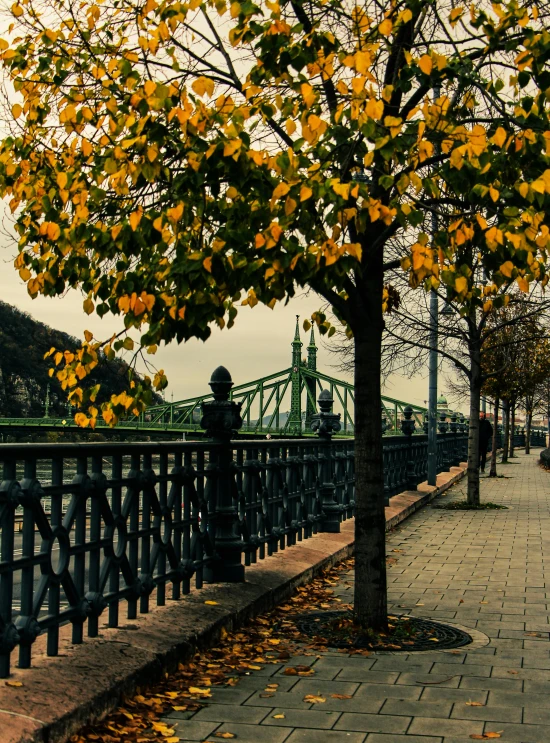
(480, 345)
(514, 364)
(168, 156)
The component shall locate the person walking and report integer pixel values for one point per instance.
(485, 435)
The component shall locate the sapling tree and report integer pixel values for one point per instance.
(176, 159)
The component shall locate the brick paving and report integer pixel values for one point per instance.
(483, 570)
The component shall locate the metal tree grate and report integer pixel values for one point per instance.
(322, 627)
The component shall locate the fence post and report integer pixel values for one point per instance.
(325, 423)
(407, 427)
(221, 419)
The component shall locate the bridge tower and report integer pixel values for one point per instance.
(311, 408)
(295, 418)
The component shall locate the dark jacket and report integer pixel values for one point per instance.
(485, 430)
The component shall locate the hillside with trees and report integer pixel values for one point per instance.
(24, 375)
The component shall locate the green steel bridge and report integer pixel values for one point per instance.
(280, 404)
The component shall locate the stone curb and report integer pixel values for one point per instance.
(60, 695)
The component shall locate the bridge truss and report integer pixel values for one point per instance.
(283, 403)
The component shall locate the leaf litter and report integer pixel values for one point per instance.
(270, 639)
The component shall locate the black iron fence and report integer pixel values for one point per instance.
(88, 528)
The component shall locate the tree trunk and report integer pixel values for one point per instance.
(473, 435)
(506, 429)
(493, 468)
(528, 423)
(370, 521)
(512, 428)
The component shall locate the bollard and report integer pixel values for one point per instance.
(324, 424)
(221, 419)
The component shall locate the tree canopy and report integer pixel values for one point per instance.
(176, 159)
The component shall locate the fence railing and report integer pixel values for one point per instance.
(108, 524)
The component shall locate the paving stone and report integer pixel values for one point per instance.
(231, 713)
(301, 718)
(225, 695)
(329, 736)
(255, 734)
(421, 708)
(388, 691)
(318, 686)
(450, 680)
(449, 669)
(372, 723)
(372, 677)
(382, 738)
(462, 711)
(434, 694)
(191, 730)
(520, 733)
(286, 698)
(437, 726)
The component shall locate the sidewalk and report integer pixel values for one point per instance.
(484, 571)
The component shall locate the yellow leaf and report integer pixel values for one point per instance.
(14, 683)
(195, 690)
(135, 219)
(88, 307)
(207, 264)
(81, 420)
(426, 64)
(290, 206)
(461, 285)
(305, 193)
(475, 704)
(313, 699)
(203, 85)
(523, 283)
(150, 87)
(16, 110)
(17, 10)
(385, 28)
(499, 137)
(211, 603)
(54, 231)
(87, 147)
(62, 180)
(281, 190)
(506, 269)
(224, 735)
(175, 213)
(493, 193)
(374, 109)
(278, 717)
(25, 274)
(342, 189)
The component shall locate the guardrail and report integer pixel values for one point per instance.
(136, 522)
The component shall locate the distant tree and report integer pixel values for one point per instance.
(173, 159)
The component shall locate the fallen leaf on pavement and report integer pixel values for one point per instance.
(475, 704)
(341, 696)
(314, 699)
(211, 603)
(278, 717)
(485, 736)
(13, 683)
(266, 696)
(199, 692)
(224, 735)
